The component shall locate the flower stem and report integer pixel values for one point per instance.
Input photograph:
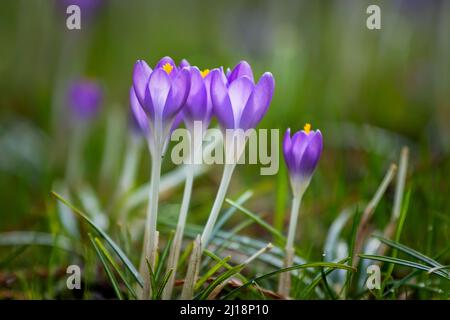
(224, 183)
(285, 278)
(148, 252)
(174, 254)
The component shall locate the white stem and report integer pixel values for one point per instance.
(285, 278)
(150, 225)
(400, 187)
(174, 254)
(221, 193)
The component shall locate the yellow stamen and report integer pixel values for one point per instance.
(204, 73)
(167, 68)
(307, 128)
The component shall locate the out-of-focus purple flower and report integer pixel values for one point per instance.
(302, 153)
(237, 101)
(85, 98)
(198, 105)
(160, 93)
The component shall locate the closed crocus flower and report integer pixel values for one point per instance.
(237, 101)
(161, 93)
(239, 104)
(85, 98)
(302, 153)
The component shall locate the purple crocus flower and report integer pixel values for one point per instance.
(302, 153)
(161, 93)
(198, 105)
(84, 98)
(237, 101)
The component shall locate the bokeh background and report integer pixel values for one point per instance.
(369, 91)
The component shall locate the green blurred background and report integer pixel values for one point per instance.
(369, 91)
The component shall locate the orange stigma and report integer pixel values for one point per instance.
(204, 73)
(307, 128)
(167, 68)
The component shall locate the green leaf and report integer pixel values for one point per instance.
(112, 244)
(154, 287)
(229, 213)
(212, 271)
(296, 267)
(115, 266)
(406, 263)
(164, 255)
(110, 275)
(277, 234)
(220, 279)
(163, 284)
(411, 252)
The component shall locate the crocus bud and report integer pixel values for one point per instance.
(84, 98)
(161, 93)
(237, 101)
(302, 153)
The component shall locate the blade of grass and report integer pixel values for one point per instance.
(405, 263)
(409, 251)
(296, 267)
(163, 284)
(277, 234)
(103, 234)
(211, 272)
(164, 255)
(110, 275)
(115, 266)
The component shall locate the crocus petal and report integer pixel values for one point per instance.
(221, 102)
(178, 93)
(196, 102)
(299, 143)
(240, 70)
(311, 154)
(141, 74)
(176, 122)
(156, 94)
(258, 103)
(138, 115)
(184, 63)
(287, 150)
(239, 91)
(165, 60)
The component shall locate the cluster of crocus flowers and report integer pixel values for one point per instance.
(163, 97)
(301, 153)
